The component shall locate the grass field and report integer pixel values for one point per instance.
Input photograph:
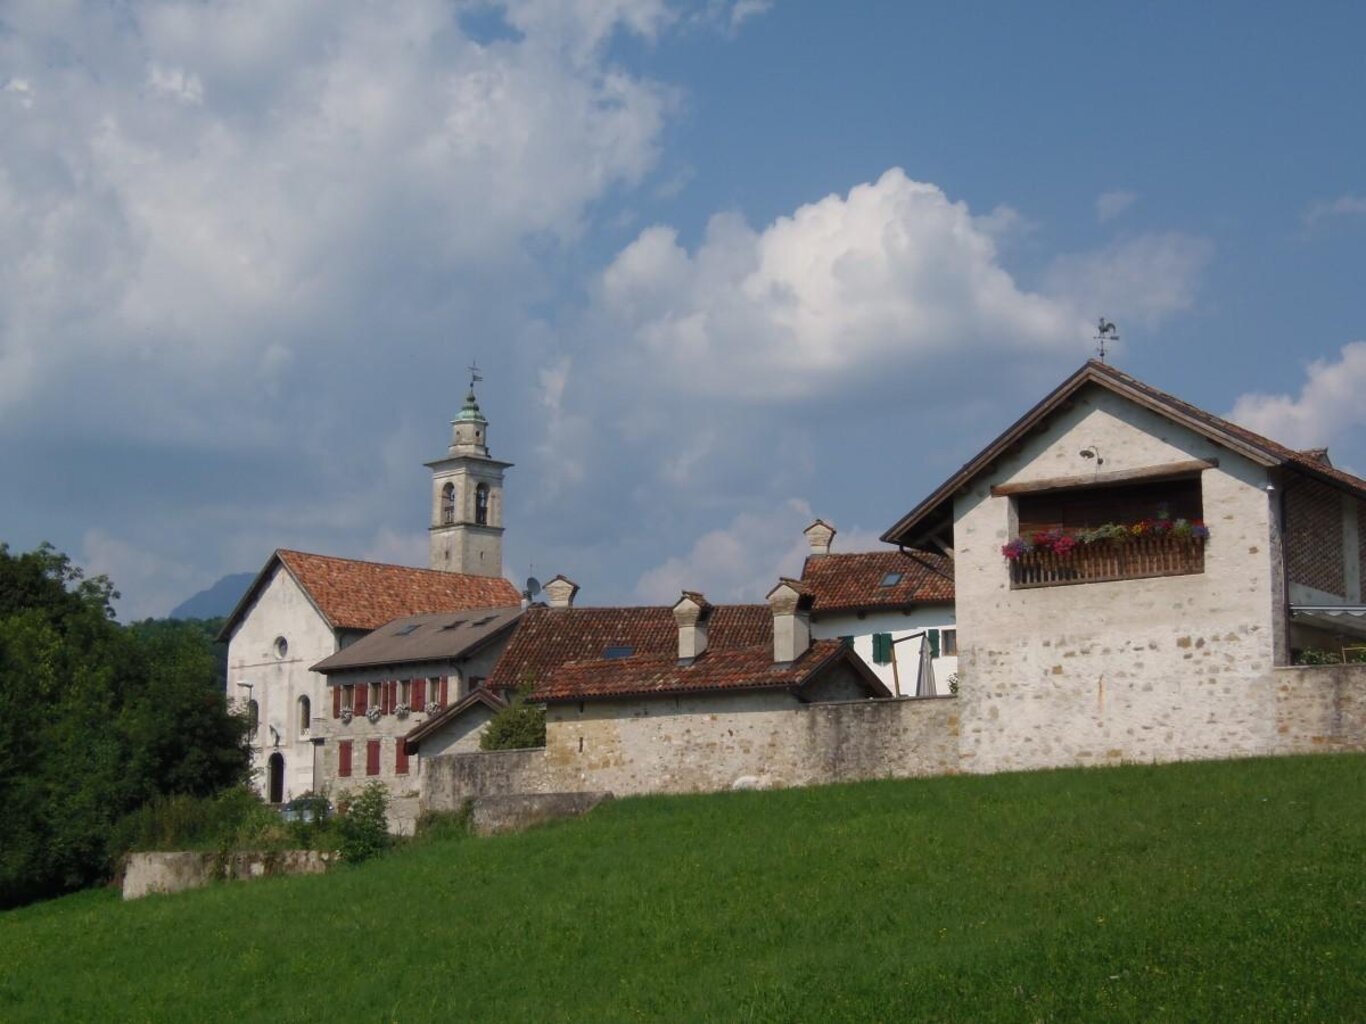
(1200, 892)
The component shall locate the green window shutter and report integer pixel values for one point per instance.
(848, 642)
(934, 643)
(882, 648)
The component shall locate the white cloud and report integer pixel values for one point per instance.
(1343, 206)
(1147, 278)
(1110, 205)
(1327, 411)
(883, 278)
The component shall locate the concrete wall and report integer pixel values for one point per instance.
(148, 873)
(277, 683)
(1138, 670)
(705, 743)
(898, 623)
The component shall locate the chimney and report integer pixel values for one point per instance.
(691, 613)
(819, 535)
(791, 622)
(560, 592)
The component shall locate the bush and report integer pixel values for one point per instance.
(441, 826)
(363, 828)
(195, 823)
(518, 726)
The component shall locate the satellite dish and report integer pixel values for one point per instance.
(533, 587)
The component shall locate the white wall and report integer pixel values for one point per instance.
(899, 624)
(282, 609)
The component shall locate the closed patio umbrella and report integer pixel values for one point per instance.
(924, 684)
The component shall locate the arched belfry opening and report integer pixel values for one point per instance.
(448, 505)
(481, 505)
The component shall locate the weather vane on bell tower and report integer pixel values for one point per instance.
(475, 376)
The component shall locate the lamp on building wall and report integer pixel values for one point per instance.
(1092, 452)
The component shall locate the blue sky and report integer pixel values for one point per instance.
(727, 265)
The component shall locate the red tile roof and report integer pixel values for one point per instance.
(548, 638)
(743, 668)
(351, 594)
(846, 582)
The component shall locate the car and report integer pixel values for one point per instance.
(306, 808)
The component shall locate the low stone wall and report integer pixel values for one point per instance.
(1320, 708)
(707, 743)
(147, 873)
(491, 815)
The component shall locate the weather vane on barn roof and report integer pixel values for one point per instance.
(1106, 331)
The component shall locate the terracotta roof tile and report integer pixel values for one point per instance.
(547, 638)
(842, 582)
(365, 595)
(741, 668)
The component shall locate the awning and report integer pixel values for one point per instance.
(1341, 618)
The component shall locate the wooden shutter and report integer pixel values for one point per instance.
(362, 698)
(419, 694)
(344, 758)
(444, 681)
(401, 756)
(336, 701)
(372, 757)
(934, 643)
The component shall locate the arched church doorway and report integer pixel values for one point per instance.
(275, 774)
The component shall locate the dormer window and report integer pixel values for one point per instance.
(481, 505)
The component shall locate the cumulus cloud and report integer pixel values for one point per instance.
(1110, 205)
(888, 276)
(229, 182)
(1328, 410)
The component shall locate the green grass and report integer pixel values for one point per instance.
(1204, 892)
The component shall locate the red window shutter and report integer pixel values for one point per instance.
(336, 702)
(362, 698)
(344, 758)
(401, 756)
(419, 694)
(444, 681)
(372, 757)
(393, 694)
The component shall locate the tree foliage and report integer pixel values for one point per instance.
(518, 726)
(95, 720)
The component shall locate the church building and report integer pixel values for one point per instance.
(304, 608)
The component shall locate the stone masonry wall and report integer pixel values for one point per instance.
(1320, 708)
(699, 744)
(1162, 669)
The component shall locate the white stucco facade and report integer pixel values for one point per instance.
(902, 625)
(257, 670)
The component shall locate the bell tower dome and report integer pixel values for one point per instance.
(467, 497)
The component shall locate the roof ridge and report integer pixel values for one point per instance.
(385, 565)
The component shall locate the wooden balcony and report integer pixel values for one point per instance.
(1133, 559)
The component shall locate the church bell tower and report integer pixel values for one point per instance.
(467, 497)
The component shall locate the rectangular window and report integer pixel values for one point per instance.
(405, 692)
(348, 698)
(948, 643)
(344, 759)
(372, 757)
(377, 696)
(400, 756)
(443, 696)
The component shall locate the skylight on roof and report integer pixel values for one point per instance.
(406, 630)
(454, 624)
(484, 621)
(618, 652)
(891, 579)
